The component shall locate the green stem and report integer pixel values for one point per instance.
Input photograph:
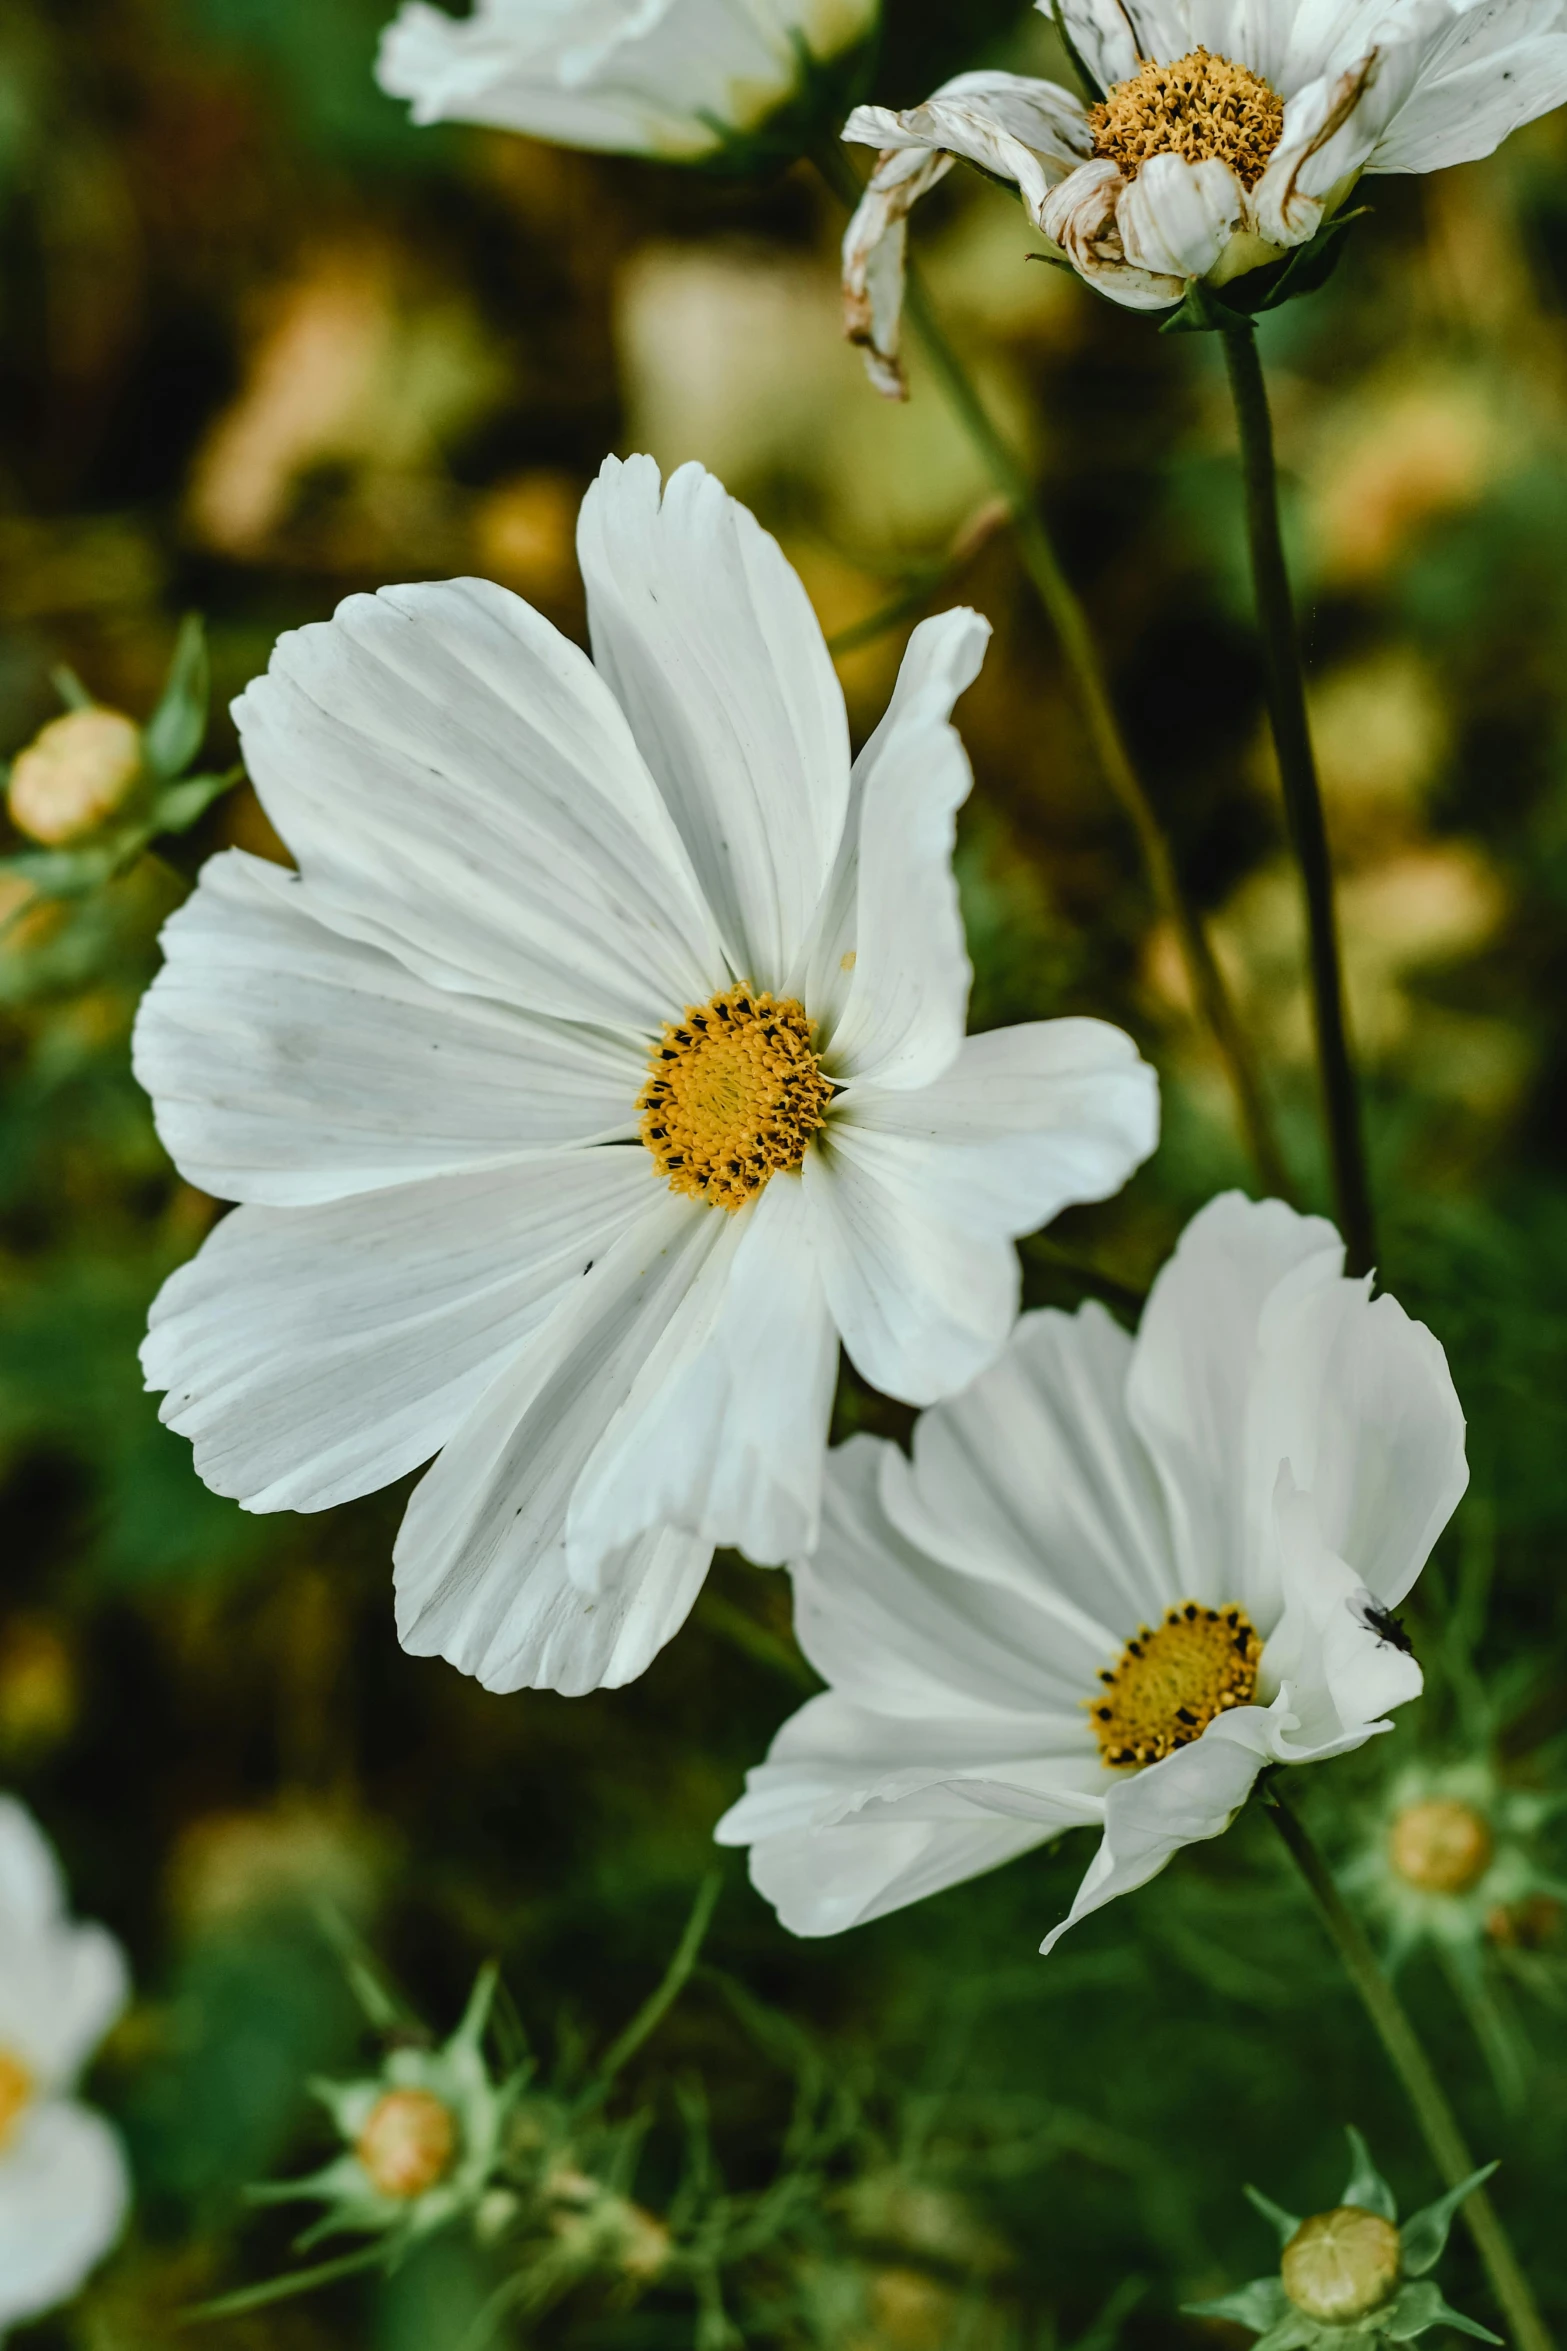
(1438, 2124)
(1498, 2044)
(1210, 996)
(1286, 690)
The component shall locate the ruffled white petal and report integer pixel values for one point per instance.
(64, 2193)
(481, 1564)
(460, 787)
(725, 1432)
(314, 1354)
(1336, 1673)
(1483, 71)
(1193, 1377)
(1112, 37)
(1082, 217)
(289, 1064)
(1330, 129)
(884, 969)
(875, 246)
(1024, 1121)
(1176, 218)
(701, 627)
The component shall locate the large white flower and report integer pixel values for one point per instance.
(63, 2184)
(680, 79)
(601, 1067)
(1117, 1578)
(1229, 130)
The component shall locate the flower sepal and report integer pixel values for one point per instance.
(1351, 2278)
(1210, 309)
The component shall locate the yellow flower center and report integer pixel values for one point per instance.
(1341, 2265)
(16, 2095)
(408, 2143)
(1440, 1846)
(1172, 1681)
(734, 1094)
(1197, 107)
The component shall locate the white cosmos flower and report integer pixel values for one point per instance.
(681, 79)
(1229, 131)
(63, 2184)
(545, 909)
(1117, 1578)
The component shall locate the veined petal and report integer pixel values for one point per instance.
(1177, 217)
(1023, 1122)
(1193, 1373)
(898, 1629)
(921, 1304)
(1034, 1478)
(1082, 217)
(314, 1354)
(460, 787)
(884, 970)
(1330, 129)
(481, 1568)
(1336, 1673)
(289, 1064)
(702, 629)
(874, 247)
(1192, 1795)
(1482, 73)
(64, 2193)
(725, 1432)
(1113, 37)
(1011, 125)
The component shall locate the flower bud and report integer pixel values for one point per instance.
(1439, 1845)
(408, 2143)
(1341, 2265)
(16, 2095)
(77, 772)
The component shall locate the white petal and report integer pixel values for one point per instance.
(884, 970)
(1024, 1122)
(1192, 1795)
(1337, 1675)
(288, 1063)
(64, 2192)
(1357, 1399)
(821, 1884)
(903, 1628)
(1192, 1379)
(314, 1354)
(1177, 217)
(32, 1886)
(1033, 1479)
(459, 785)
(725, 1433)
(1483, 72)
(703, 630)
(1011, 125)
(874, 247)
(61, 1984)
(481, 1557)
(921, 1303)
(1330, 129)
(1114, 36)
(1082, 217)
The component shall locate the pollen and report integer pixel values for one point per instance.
(408, 2143)
(1200, 106)
(16, 2095)
(1172, 1681)
(734, 1094)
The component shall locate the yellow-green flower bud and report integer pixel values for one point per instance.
(75, 774)
(1342, 2265)
(1440, 1845)
(408, 2144)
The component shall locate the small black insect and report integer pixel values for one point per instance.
(1387, 1627)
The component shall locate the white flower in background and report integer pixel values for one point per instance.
(1227, 134)
(1117, 1578)
(63, 2184)
(600, 1069)
(681, 79)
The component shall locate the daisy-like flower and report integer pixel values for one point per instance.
(63, 2183)
(1450, 1850)
(600, 1068)
(1117, 1578)
(1224, 136)
(684, 80)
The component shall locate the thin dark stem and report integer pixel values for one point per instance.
(1438, 2124)
(1210, 996)
(1286, 688)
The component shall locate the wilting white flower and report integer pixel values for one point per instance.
(682, 79)
(1226, 135)
(63, 2184)
(600, 1069)
(1117, 1578)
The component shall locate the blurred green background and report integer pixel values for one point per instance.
(261, 345)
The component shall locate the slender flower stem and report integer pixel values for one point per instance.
(1438, 2124)
(1210, 995)
(1286, 689)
